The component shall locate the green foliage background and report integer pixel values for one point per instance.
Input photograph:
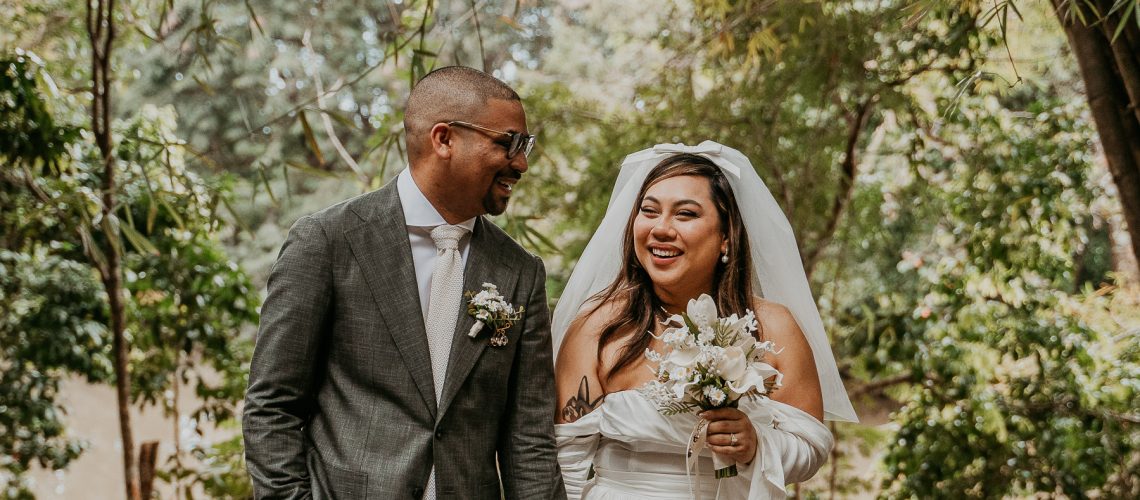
(936, 159)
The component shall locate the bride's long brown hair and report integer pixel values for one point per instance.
(641, 308)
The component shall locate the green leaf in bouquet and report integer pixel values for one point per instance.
(678, 407)
(690, 325)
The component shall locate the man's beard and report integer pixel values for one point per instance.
(493, 204)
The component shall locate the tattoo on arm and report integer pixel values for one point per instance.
(581, 404)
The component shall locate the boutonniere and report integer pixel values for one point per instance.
(489, 308)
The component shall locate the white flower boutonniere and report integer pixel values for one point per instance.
(489, 308)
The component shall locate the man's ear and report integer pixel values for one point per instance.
(441, 137)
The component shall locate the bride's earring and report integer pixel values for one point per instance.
(724, 258)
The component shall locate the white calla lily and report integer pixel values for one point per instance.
(754, 378)
(702, 310)
(732, 363)
(684, 356)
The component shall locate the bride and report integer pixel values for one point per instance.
(685, 221)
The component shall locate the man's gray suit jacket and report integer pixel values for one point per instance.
(341, 402)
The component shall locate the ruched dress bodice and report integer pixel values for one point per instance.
(625, 470)
(625, 449)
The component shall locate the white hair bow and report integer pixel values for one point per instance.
(709, 149)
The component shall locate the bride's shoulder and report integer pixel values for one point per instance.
(593, 316)
(576, 368)
(776, 320)
(584, 333)
(767, 307)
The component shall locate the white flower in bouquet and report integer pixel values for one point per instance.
(714, 395)
(711, 362)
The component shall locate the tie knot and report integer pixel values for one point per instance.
(446, 236)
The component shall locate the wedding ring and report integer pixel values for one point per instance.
(732, 437)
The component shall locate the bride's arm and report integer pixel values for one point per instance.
(776, 444)
(579, 393)
(797, 446)
(795, 359)
(576, 379)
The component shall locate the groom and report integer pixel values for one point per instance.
(364, 382)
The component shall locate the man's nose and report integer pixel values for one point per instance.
(519, 163)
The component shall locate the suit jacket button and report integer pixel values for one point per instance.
(439, 434)
(417, 492)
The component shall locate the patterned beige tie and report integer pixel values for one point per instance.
(443, 310)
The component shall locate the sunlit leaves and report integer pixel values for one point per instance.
(53, 325)
(187, 301)
(1006, 361)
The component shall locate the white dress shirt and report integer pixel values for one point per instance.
(421, 217)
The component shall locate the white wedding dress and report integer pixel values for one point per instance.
(636, 452)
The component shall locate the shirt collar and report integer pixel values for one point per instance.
(418, 211)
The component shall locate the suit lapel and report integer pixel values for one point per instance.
(485, 264)
(381, 247)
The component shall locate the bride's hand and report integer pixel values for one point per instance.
(724, 423)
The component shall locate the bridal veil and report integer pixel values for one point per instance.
(779, 272)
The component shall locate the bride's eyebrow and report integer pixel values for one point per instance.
(687, 201)
(684, 201)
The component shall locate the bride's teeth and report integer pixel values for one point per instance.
(663, 253)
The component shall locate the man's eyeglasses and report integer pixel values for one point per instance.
(520, 143)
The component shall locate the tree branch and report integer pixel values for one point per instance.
(327, 122)
(880, 385)
(846, 183)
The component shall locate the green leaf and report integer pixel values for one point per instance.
(265, 182)
(310, 138)
(546, 242)
(1095, 10)
(173, 213)
(253, 17)
(237, 218)
(677, 408)
(341, 119)
(311, 171)
(151, 215)
(1128, 11)
(140, 242)
(202, 84)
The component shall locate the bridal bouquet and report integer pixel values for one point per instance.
(712, 362)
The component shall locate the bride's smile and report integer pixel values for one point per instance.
(664, 253)
(678, 236)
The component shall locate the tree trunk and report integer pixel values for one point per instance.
(148, 463)
(101, 33)
(1111, 72)
(175, 384)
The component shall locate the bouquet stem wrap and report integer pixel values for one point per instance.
(698, 441)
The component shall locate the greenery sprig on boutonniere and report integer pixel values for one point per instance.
(489, 308)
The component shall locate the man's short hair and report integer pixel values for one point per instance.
(447, 94)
